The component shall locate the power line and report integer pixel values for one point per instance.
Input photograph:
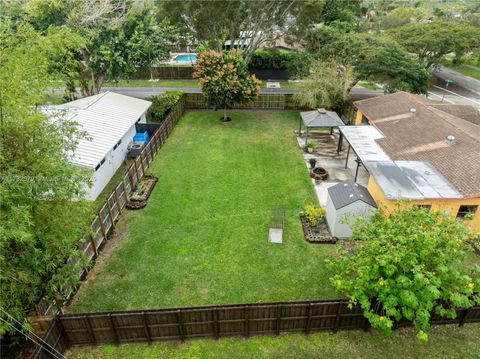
(42, 343)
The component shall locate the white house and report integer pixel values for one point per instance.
(346, 201)
(109, 120)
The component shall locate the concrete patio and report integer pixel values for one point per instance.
(326, 155)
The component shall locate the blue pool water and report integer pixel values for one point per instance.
(186, 58)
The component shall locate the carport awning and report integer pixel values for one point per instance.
(321, 118)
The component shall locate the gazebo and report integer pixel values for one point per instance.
(320, 118)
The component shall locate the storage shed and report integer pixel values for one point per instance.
(109, 121)
(346, 201)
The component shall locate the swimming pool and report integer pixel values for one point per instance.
(185, 58)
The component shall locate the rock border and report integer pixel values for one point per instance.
(141, 201)
(310, 236)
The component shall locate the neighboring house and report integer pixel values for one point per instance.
(419, 150)
(345, 202)
(109, 120)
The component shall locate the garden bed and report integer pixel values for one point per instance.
(319, 234)
(138, 199)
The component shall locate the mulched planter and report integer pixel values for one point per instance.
(139, 200)
(319, 174)
(319, 234)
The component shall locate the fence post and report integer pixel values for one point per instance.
(335, 326)
(102, 225)
(118, 199)
(145, 326)
(90, 330)
(61, 329)
(92, 242)
(109, 210)
(215, 323)
(309, 318)
(464, 317)
(124, 189)
(246, 322)
(114, 329)
(279, 318)
(181, 329)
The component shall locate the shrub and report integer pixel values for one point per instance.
(314, 214)
(162, 104)
(408, 265)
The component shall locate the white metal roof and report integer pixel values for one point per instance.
(362, 139)
(410, 180)
(106, 118)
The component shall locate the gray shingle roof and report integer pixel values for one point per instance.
(348, 192)
(321, 118)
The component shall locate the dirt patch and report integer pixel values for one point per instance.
(121, 230)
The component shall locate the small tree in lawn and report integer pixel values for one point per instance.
(408, 265)
(224, 80)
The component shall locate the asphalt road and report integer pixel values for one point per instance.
(454, 94)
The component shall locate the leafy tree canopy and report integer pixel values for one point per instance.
(41, 213)
(224, 80)
(326, 86)
(102, 39)
(373, 58)
(431, 41)
(408, 265)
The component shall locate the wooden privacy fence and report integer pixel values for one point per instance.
(104, 221)
(214, 322)
(270, 101)
(165, 73)
(262, 102)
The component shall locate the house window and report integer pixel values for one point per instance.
(117, 144)
(100, 164)
(463, 211)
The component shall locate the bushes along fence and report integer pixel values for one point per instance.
(214, 322)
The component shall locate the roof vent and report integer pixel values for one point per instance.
(351, 195)
(322, 111)
(450, 139)
(413, 111)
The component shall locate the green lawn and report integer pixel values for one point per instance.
(202, 239)
(445, 342)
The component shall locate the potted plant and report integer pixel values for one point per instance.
(313, 162)
(310, 147)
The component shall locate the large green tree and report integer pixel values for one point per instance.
(102, 40)
(224, 80)
(432, 41)
(372, 58)
(42, 215)
(214, 22)
(326, 86)
(408, 265)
